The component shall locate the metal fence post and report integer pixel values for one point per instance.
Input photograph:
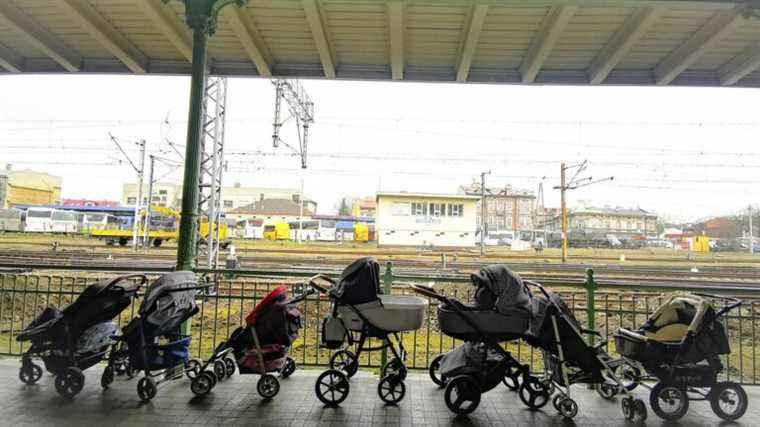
(590, 286)
(387, 289)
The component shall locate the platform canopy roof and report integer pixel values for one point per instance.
(668, 42)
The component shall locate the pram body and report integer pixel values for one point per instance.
(360, 311)
(260, 347)
(152, 342)
(500, 311)
(679, 346)
(73, 339)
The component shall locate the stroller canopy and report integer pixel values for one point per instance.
(359, 282)
(680, 314)
(501, 289)
(278, 295)
(170, 300)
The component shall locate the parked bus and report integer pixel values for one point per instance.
(39, 220)
(326, 230)
(100, 221)
(66, 221)
(250, 229)
(308, 230)
(277, 231)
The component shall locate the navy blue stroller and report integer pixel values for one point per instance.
(73, 339)
(152, 342)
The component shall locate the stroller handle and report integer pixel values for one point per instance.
(429, 292)
(134, 288)
(305, 294)
(734, 302)
(321, 283)
(537, 285)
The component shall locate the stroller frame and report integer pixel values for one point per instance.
(223, 366)
(147, 386)
(70, 379)
(633, 409)
(344, 364)
(639, 375)
(509, 368)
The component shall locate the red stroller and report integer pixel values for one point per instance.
(260, 347)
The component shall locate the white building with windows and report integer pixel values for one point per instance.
(422, 219)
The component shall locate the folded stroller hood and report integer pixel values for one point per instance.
(168, 301)
(359, 282)
(507, 285)
(686, 310)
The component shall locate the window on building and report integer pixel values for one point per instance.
(131, 200)
(162, 192)
(419, 209)
(525, 222)
(401, 209)
(457, 210)
(228, 204)
(437, 209)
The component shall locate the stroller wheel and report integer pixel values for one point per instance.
(435, 371)
(394, 366)
(193, 368)
(639, 411)
(107, 378)
(606, 390)
(332, 387)
(728, 400)
(69, 382)
(229, 364)
(345, 361)
(669, 402)
(202, 384)
(629, 376)
(462, 395)
(534, 393)
(268, 386)
(568, 408)
(391, 389)
(556, 400)
(220, 369)
(288, 368)
(626, 406)
(146, 389)
(511, 378)
(30, 373)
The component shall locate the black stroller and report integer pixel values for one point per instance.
(79, 336)
(679, 346)
(361, 312)
(501, 312)
(260, 347)
(569, 359)
(169, 301)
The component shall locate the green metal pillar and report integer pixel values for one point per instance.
(590, 286)
(387, 289)
(201, 17)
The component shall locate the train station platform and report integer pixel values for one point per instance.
(235, 402)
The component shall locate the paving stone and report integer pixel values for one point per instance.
(235, 402)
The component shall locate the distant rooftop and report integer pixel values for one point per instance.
(427, 195)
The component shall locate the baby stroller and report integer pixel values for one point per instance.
(260, 347)
(569, 359)
(168, 302)
(679, 346)
(501, 312)
(360, 312)
(79, 336)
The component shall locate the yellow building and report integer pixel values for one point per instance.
(27, 187)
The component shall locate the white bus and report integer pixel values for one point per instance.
(250, 229)
(39, 220)
(99, 221)
(326, 230)
(308, 229)
(66, 221)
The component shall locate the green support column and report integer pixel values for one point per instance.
(201, 16)
(387, 289)
(590, 286)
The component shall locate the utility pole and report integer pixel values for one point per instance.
(146, 226)
(572, 184)
(300, 214)
(751, 238)
(300, 107)
(563, 209)
(138, 202)
(483, 226)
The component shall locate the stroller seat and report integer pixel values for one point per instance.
(390, 313)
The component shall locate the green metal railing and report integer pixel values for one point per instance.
(600, 305)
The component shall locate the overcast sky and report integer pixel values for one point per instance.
(685, 153)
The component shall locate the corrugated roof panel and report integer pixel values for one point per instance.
(358, 35)
(506, 36)
(283, 26)
(433, 35)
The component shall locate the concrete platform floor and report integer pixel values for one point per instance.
(236, 402)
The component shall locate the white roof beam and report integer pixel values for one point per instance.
(250, 38)
(718, 27)
(396, 30)
(12, 17)
(741, 66)
(165, 21)
(314, 19)
(551, 28)
(634, 28)
(99, 28)
(477, 18)
(10, 61)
